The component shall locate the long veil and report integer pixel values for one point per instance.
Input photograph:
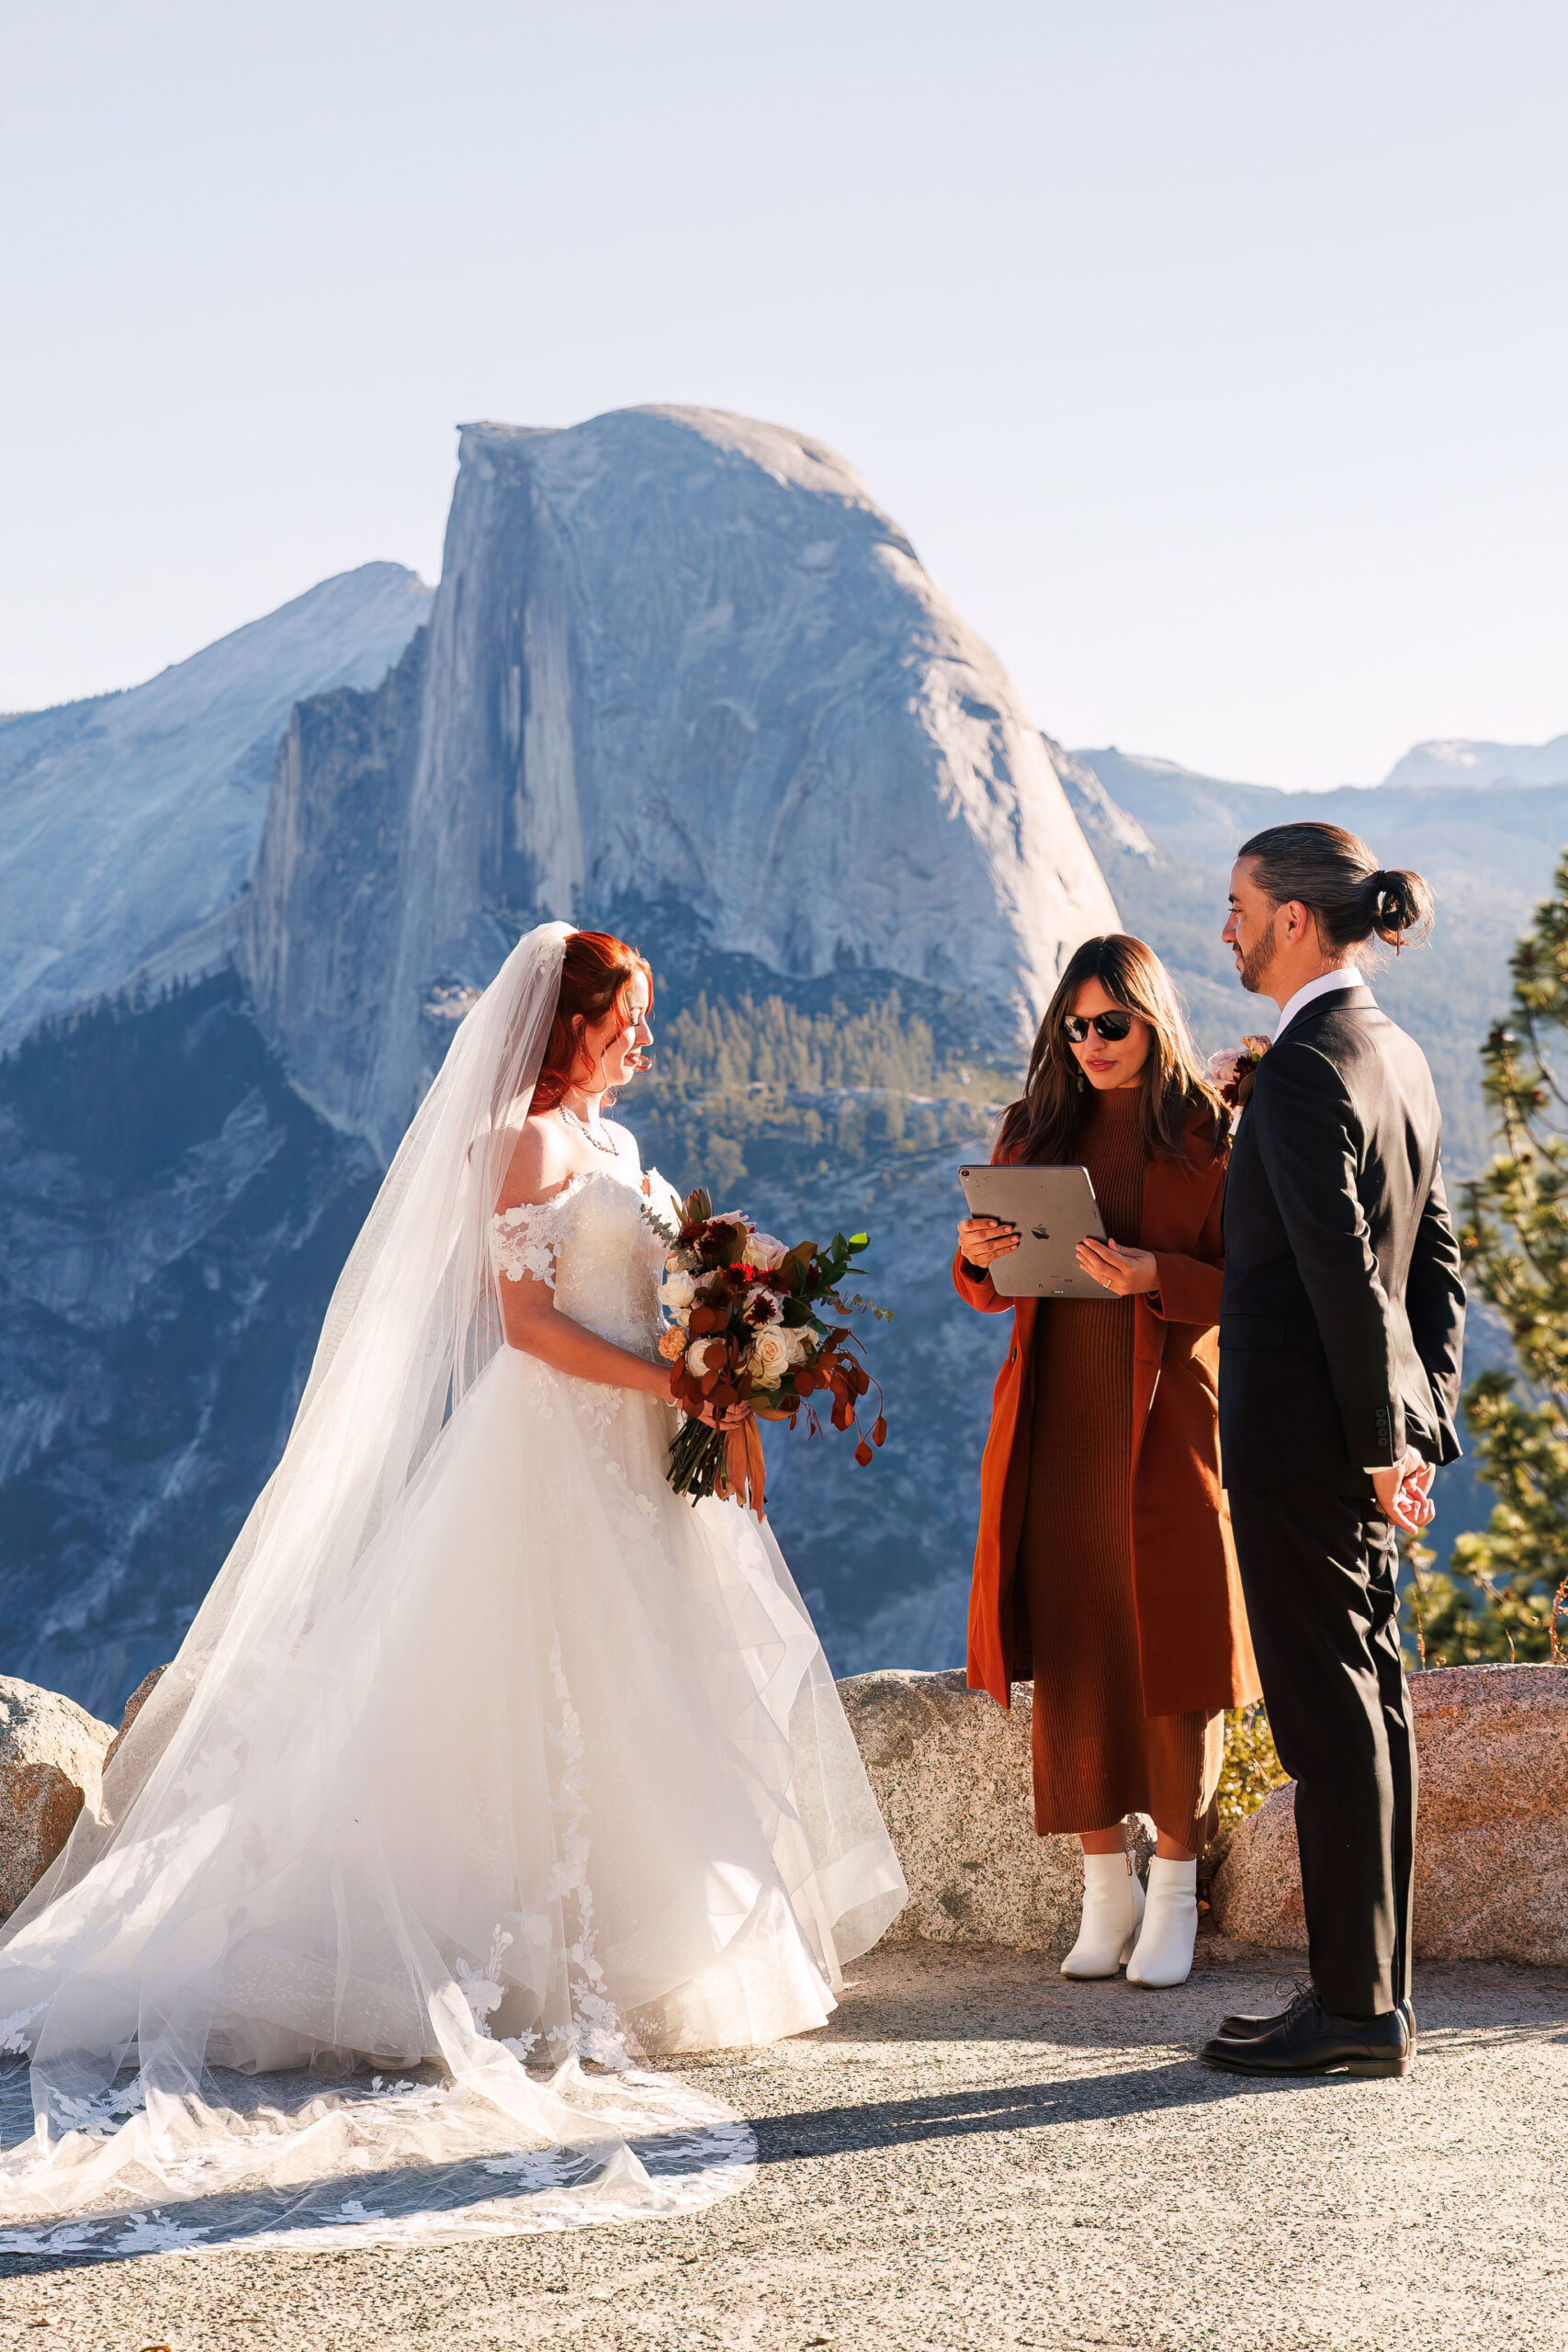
(236, 2023)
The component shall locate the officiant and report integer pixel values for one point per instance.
(1104, 1569)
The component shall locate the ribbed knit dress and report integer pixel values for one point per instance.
(1097, 1754)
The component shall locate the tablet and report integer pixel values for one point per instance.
(1053, 1209)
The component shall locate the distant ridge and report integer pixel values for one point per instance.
(1443, 764)
(128, 820)
(1454, 760)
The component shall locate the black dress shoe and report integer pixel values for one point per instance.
(1308, 2041)
(1238, 2027)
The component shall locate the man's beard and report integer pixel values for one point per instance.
(1255, 962)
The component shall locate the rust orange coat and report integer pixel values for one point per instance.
(1194, 1650)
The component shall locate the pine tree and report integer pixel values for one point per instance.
(1514, 1234)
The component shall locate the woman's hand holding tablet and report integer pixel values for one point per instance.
(1123, 1271)
(984, 1239)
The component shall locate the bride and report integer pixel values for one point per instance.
(488, 1768)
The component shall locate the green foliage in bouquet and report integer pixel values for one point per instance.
(1506, 1591)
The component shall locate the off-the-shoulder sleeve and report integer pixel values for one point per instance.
(527, 1240)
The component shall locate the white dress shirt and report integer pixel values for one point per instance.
(1344, 976)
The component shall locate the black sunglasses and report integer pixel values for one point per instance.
(1112, 1027)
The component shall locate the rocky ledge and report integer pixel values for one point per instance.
(52, 1761)
(950, 1772)
(1492, 1839)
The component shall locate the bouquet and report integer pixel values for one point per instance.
(747, 1328)
(1234, 1072)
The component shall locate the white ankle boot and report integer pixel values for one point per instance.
(1112, 1906)
(1163, 1952)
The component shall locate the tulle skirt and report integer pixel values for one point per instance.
(429, 1866)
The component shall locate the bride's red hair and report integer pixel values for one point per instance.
(597, 971)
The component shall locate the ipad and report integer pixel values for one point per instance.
(1053, 1209)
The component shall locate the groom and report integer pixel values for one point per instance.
(1340, 1329)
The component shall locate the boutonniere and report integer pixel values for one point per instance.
(1234, 1072)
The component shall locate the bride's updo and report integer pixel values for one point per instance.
(597, 971)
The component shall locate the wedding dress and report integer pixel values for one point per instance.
(489, 1769)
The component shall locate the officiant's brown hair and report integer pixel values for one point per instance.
(1042, 1128)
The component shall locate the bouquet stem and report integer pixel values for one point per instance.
(705, 1461)
(697, 1455)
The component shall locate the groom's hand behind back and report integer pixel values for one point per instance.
(1403, 1492)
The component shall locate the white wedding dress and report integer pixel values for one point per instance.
(482, 1779)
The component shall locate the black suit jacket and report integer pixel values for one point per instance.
(1342, 1317)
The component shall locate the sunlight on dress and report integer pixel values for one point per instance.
(379, 1943)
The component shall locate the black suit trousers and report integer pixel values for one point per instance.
(1319, 1570)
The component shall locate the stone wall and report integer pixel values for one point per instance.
(1492, 1839)
(951, 1774)
(51, 1756)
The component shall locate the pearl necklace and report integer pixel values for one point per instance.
(598, 1141)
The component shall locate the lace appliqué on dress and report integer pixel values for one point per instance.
(527, 1240)
(594, 2031)
(596, 2028)
(14, 2040)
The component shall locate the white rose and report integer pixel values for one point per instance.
(771, 1356)
(677, 1291)
(763, 1252)
(697, 1356)
(799, 1340)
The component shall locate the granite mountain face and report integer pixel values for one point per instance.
(676, 658)
(173, 1218)
(680, 673)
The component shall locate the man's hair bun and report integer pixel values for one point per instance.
(1401, 902)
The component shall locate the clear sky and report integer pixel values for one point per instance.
(1213, 353)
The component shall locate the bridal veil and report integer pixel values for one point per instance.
(269, 1989)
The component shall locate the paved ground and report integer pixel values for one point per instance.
(978, 2155)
